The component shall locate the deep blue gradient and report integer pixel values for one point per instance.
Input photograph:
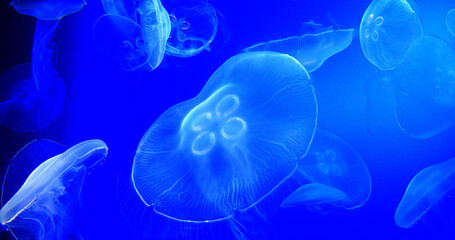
(105, 102)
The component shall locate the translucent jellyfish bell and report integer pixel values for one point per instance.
(333, 162)
(45, 206)
(425, 189)
(313, 194)
(387, 29)
(425, 88)
(450, 21)
(124, 8)
(122, 39)
(230, 146)
(48, 9)
(311, 50)
(192, 30)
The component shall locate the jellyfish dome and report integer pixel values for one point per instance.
(333, 162)
(230, 146)
(424, 190)
(450, 21)
(44, 207)
(424, 87)
(387, 29)
(48, 9)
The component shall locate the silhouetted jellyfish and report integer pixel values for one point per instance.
(425, 88)
(387, 29)
(48, 9)
(425, 189)
(121, 39)
(313, 194)
(311, 50)
(333, 162)
(124, 8)
(46, 204)
(450, 21)
(192, 29)
(230, 146)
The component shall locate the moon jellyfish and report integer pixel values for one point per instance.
(450, 21)
(192, 30)
(425, 189)
(425, 88)
(230, 146)
(48, 9)
(312, 194)
(333, 162)
(311, 50)
(46, 204)
(387, 29)
(124, 8)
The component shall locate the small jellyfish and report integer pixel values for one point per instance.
(425, 189)
(230, 146)
(387, 29)
(192, 30)
(311, 50)
(313, 194)
(48, 9)
(450, 21)
(424, 86)
(121, 39)
(124, 8)
(46, 204)
(333, 162)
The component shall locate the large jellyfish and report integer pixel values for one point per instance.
(450, 21)
(311, 50)
(313, 193)
(425, 189)
(387, 29)
(425, 88)
(48, 9)
(46, 204)
(230, 146)
(192, 29)
(333, 162)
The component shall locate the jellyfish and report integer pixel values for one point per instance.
(311, 50)
(229, 147)
(425, 189)
(333, 162)
(192, 30)
(424, 86)
(450, 21)
(313, 194)
(47, 9)
(124, 8)
(387, 29)
(46, 204)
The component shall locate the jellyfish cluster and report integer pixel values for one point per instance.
(256, 139)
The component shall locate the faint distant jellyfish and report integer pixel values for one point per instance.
(387, 30)
(48, 9)
(192, 30)
(122, 39)
(313, 194)
(124, 8)
(333, 162)
(311, 50)
(46, 204)
(450, 21)
(230, 146)
(425, 189)
(425, 88)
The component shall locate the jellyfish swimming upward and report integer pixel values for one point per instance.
(230, 146)
(46, 204)
(387, 29)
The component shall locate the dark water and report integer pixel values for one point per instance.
(105, 102)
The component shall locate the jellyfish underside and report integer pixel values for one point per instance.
(425, 189)
(311, 50)
(212, 153)
(387, 29)
(313, 194)
(192, 30)
(425, 88)
(45, 206)
(47, 9)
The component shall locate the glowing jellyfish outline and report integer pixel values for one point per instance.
(46, 9)
(313, 194)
